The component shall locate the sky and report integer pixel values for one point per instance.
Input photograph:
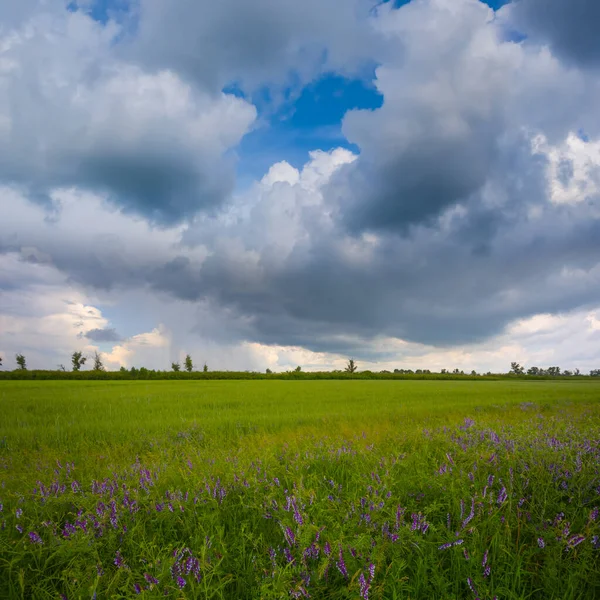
(273, 183)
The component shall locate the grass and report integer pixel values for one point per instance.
(283, 489)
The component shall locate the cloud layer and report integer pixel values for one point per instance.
(470, 205)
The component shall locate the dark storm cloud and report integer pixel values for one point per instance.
(103, 335)
(164, 189)
(72, 114)
(570, 27)
(415, 185)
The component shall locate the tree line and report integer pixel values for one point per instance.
(78, 359)
(98, 371)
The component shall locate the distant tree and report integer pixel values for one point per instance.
(595, 373)
(176, 366)
(77, 359)
(205, 368)
(443, 371)
(62, 367)
(0, 361)
(351, 366)
(533, 371)
(473, 372)
(516, 369)
(123, 370)
(21, 361)
(554, 371)
(577, 372)
(268, 371)
(188, 364)
(298, 369)
(98, 364)
(133, 371)
(567, 373)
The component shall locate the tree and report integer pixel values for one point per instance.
(516, 368)
(205, 368)
(62, 367)
(176, 367)
(351, 366)
(188, 364)
(533, 371)
(595, 373)
(577, 372)
(0, 361)
(269, 371)
(21, 361)
(298, 369)
(554, 371)
(78, 360)
(98, 365)
(473, 372)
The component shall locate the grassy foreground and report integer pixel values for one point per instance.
(283, 489)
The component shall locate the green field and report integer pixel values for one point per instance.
(297, 489)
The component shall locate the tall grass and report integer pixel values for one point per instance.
(321, 489)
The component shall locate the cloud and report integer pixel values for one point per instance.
(471, 203)
(568, 26)
(108, 334)
(73, 115)
(252, 43)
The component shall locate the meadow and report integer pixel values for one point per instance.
(300, 489)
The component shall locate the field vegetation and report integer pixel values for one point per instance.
(300, 489)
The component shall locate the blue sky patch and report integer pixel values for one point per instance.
(309, 120)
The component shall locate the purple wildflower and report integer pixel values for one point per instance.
(327, 549)
(119, 560)
(181, 582)
(487, 571)
(575, 541)
(541, 542)
(470, 515)
(471, 585)
(290, 538)
(35, 538)
(288, 555)
(364, 587)
(151, 580)
(466, 554)
(485, 559)
(502, 496)
(137, 588)
(341, 565)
